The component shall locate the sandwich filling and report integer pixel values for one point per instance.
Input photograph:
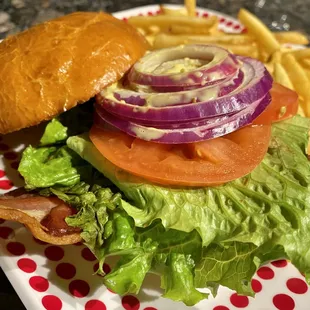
(228, 194)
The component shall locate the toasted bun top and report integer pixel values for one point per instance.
(53, 66)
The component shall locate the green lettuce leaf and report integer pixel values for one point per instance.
(190, 237)
(52, 163)
(179, 277)
(229, 265)
(55, 132)
(49, 166)
(269, 208)
(108, 230)
(172, 254)
(73, 122)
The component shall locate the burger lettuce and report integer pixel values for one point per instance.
(191, 237)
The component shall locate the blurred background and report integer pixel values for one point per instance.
(16, 15)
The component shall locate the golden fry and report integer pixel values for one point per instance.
(164, 23)
(305, 63)
(214, 30)
(288, 67)
(165, 40)
(150, 39)
(237, 39)
(242, 50)
(190, 7)
(280, 76)
(259, 31)
(300, 110)
(285, 50)
(304, 110)
(153, 29)
(173, 12)
(301, 53)
(306, 106)
(263, 56)
(179, 29)
(293, 37)
(276, 56)
(142, 31)
(270, 67)
(299, 79)
(307, 71)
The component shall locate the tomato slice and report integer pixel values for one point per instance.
(284, 105)
(206, 163)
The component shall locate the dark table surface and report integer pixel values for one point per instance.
(17, 15)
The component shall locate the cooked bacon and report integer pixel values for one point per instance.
(43, 216)
(55, 221)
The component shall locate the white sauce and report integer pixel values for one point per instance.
(150, 134)
(179, 66)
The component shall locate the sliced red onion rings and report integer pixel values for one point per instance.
(228, 101)
(165, 99)
(257, 82)
(213, 128)
(216, 62)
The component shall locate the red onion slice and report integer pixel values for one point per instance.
(166, 67)
(164, 99)
(213, 129)
(174, 125)
(256, 83)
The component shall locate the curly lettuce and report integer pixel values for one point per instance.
(195, 237)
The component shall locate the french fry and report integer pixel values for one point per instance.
(263, 56)
(288, 67)
(293, 37)
(237, 39)
(306, 106)
(165, 40)
(173, 12)
(275, 58)
(179, 29)
(284, 50)
(142, 31)
(281, 76)
(300, 110)
(242, 50)
(259, 31)
(190, 7)
(214, 30)
(305, 63)
(301, 53)
(307, 72)
(164, 22)
(299, 79)
(153, 29)
(150, 39)
(270, 67)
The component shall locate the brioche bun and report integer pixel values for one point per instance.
(55, 65)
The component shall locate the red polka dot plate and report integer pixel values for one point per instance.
(54, 278)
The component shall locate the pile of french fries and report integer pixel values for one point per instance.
(289, 67)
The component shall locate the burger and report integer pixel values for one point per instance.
(188, 162)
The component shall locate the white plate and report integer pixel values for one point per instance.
(54, 278)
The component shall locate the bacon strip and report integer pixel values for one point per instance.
(43, 216)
